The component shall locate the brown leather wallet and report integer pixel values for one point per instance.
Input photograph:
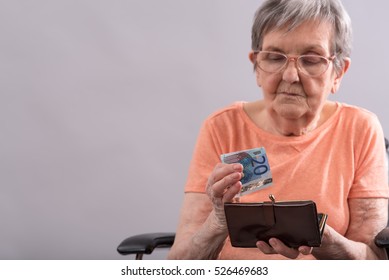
(295, 223)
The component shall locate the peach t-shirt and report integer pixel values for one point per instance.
(343, 158)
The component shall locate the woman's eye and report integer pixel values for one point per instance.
(276, 57)
(310, 59)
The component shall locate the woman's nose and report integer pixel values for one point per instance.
(290, 73)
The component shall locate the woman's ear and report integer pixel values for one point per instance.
(252, 57)
(340, 74)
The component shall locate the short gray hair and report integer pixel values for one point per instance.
(275, 14)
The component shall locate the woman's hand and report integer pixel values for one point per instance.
(328, 247)
(276, 246)
(222, 186)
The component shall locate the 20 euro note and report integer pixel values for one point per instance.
(256, 169)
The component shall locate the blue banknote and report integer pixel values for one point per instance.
(256, 169)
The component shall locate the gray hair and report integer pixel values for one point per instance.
(276, 14)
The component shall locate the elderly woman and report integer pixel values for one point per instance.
(319, 150)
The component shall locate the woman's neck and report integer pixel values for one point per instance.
(278, 125)
(275, 124)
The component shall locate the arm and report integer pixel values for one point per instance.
(198, 236)
(202, 229)
(367, 217)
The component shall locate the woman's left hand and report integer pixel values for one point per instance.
(276, 246)
(329, 249)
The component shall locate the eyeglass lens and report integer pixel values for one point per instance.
(311, 65)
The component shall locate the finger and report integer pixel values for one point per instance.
(282, 249)
(236, 199)
(222, 170)
(305, 250)
(231, 192)
(221, 187)
(265, 248)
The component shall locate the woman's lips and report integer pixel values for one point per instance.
(291, 93)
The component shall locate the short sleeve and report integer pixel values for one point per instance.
(371, 166)
(204, 159)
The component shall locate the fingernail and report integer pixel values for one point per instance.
(237, 167)
(306, 251)
(272, 242)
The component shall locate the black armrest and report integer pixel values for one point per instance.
(145, 243)
(382, 240)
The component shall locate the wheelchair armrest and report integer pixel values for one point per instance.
(382, 238)
(145, 243)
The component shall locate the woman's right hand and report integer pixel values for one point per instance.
(222, 186)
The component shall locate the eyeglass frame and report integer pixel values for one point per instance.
(295, 59)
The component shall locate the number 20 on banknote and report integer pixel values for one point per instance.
(256, 169)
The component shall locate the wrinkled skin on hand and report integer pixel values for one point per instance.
(222, 186)
(276, 246)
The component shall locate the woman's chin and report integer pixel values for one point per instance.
(290, 111)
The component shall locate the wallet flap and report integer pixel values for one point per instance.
(295, 223)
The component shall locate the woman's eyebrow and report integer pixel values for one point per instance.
(304, 49)
(273, 49)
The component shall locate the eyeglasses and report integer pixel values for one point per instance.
(310, 65)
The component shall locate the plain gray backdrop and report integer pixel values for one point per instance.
(101, 102)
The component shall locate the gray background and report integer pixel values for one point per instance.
(100, 106)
